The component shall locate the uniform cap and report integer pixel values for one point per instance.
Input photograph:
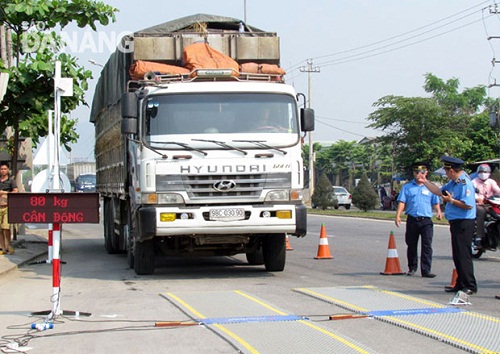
(420, 165)
(452, 162)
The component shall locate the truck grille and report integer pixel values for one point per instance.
(238, 186)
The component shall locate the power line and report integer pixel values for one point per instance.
(359, 56)
(344, 59)
(340, 129)
(339, 120)
(408, 32)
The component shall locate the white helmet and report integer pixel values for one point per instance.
(484, 168)
(483, 172)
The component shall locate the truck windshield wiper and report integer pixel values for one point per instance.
(163, 156)
(261, 144)
(184, 145)
(223, 144)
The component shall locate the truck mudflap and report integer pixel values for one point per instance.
(301, 220)
(147, 223)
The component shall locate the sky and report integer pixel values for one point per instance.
(361, 50)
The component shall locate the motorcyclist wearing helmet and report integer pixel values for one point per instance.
(486, 187)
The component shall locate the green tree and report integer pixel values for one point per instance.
(344, 161)
(30, 91)
(323, 194)
(424, 128)
(363, 196)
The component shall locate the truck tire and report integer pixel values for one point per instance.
(274, 250)
(255, 258)
(129, 239)
(110, 238)
(144, 257)
(130, 236)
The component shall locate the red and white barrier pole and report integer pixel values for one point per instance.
(50, 243)
(56, 272)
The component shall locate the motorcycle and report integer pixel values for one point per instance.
(491, 229)
(390, 202)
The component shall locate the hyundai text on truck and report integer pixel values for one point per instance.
(205, 162)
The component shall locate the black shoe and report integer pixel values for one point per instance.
(428, 275)
(410, 273)
(452, 290)
(468, 291)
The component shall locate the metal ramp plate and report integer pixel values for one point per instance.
(470, 331)
(253, 326)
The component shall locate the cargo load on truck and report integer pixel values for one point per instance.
(198, 144)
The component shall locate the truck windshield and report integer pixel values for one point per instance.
(220, 113)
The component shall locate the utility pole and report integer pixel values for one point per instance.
(494, 116)
(245, 11)
(309, 70)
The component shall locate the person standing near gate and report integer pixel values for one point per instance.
(460, 210)
(7, 185)
(417, 202)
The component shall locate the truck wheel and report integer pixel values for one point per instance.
(109, 227)
(255, 258)
(130, 236)
(129, 239)
(144, 257)
(274, 249)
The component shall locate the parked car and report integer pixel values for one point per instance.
(343, 197)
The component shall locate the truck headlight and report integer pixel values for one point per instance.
(162, 198)
(283, 195)
(277, 195)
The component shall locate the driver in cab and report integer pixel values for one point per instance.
(266, 122)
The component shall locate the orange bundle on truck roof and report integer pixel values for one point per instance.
(201, 56)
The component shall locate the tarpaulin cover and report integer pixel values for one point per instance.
(183, 23)
(140, 68)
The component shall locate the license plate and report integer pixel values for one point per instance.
(228, 214)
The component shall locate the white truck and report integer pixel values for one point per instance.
(204, 164)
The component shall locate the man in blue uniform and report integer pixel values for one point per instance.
(460, 210)
(418, 201)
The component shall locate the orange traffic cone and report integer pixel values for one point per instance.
(288, 246)
(453, 281)
(323, 248)
(392, 266)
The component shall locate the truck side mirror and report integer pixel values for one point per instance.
(129, 113)
(307, 119)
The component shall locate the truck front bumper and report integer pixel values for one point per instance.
(262, 219)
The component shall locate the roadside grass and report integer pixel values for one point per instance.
(370, 214)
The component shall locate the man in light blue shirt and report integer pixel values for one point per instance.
(417, 202)
(459, 195)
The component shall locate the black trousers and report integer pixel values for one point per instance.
(462, 232)
(416, 227)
